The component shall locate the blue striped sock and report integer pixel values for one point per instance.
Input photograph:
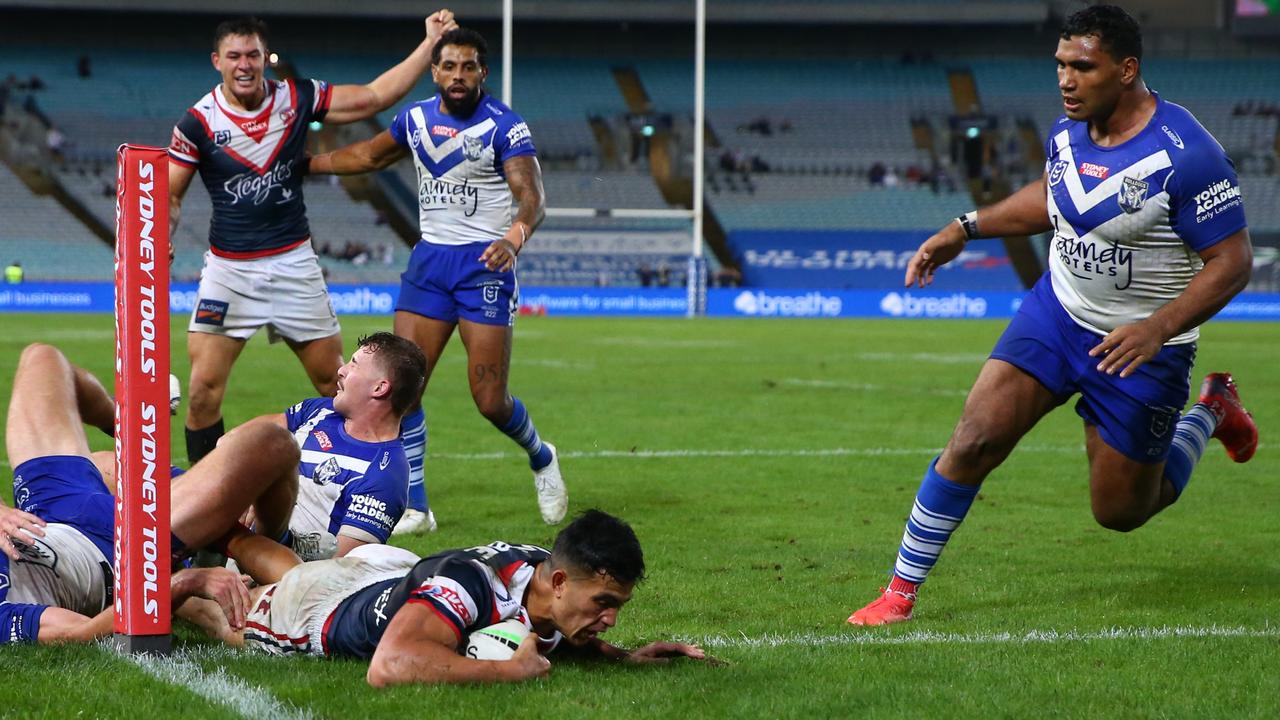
(1189, 440)
(939, 508)
(520, 428)
(413, 433)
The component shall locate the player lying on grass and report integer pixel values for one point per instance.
(353, 475)
(409, 616)
(56, 577)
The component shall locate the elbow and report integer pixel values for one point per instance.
(378, 677)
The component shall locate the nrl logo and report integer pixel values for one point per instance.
(221, 137)
(472, 147)
(1133, 195)
(1057, 171)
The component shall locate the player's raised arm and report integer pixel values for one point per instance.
(1026, 212)
(357, 102)
(524, 177)
(376, 153)
(420, 647)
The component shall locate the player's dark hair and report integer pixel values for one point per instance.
(599, 543)
(404, 362)
(1116, 29)
(247, 25)
(462, 37)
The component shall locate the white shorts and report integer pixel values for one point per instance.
(289, 617)
(284, 292)
(63, 568)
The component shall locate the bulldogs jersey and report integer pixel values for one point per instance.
(61, 569)
(252, 164)
(1129, 220)
(468, 589)
(463, 196)
(345, 486)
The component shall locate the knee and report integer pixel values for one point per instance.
(495, 407)
(1120, 520)
(977, 444)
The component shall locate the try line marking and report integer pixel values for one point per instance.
(864, 637)
(745, 452)
(217, 686)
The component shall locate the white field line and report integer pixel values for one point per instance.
(744, 452)
(218, 686)
(925, 357)
(1030, 637)
(869, 387)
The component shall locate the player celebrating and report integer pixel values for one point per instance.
(247, 137)
(409, 616)
(56, 577)
(473, 155)
(1149, 242)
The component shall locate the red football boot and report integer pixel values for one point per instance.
(891, 607)
(1236, 429)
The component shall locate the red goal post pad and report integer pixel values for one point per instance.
(142, 548)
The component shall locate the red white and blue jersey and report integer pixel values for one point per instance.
(345, 486)
(1129, 220)
(252, 164)
(463, 196)
(468, 589)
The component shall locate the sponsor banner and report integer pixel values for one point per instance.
(852, 259)
(671, 301)
(604, 301)
(607, 242)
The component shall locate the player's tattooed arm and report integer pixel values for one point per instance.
(376, 153)
(653, 653)
(179, 180)
(524, 177)
(357, 102)
(419, 647)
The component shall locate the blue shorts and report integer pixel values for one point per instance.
(447, 282)
(67, 489)
(1135, 415)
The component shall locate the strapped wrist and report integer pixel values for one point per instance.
(969, 225)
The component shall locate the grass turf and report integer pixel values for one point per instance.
(767, 467)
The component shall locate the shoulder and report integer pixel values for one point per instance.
(200, 111)
(311, 406)
(1183, 135)
(503, 117)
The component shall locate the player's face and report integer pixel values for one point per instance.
(1088, 77)
(585, 607)
(242, 59)
(459, 76)
(359, 379)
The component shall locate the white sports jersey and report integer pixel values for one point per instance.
(63, 569)
(463, 196)
(1129, 220)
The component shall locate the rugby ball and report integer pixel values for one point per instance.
(496, 642)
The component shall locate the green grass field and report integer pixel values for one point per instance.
(767, 467)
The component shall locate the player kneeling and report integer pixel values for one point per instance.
(409, 616)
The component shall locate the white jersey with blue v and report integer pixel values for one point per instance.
(463, 196)
(1130, 220)
(346, 486)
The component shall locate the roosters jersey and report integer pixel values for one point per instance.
(468, 589)
(463, 196)
(345, 486)
(1129, 220)
(252, 164)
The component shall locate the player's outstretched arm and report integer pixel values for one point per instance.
(1228, 266)
(179, 180)
(376, 153)
(654, 653)
(1023, 213)
(419, 647)
(357, 102)
(524, 177)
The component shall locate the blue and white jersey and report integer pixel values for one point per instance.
(1129, 220)
(252, 164)
(468, 589)
(345, 486)
(463, 196)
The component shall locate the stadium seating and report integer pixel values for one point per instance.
(48, 241)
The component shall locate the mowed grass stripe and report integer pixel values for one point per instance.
(217, 686)
(922, 637)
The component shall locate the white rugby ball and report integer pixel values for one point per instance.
(496, 642)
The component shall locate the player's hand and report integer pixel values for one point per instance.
(20, 526)
(223, 586)
(1127, 347)
(663, 652)
(528, 662)
(500, 255)
(439, 23)
(170, 253)
(941, 248)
